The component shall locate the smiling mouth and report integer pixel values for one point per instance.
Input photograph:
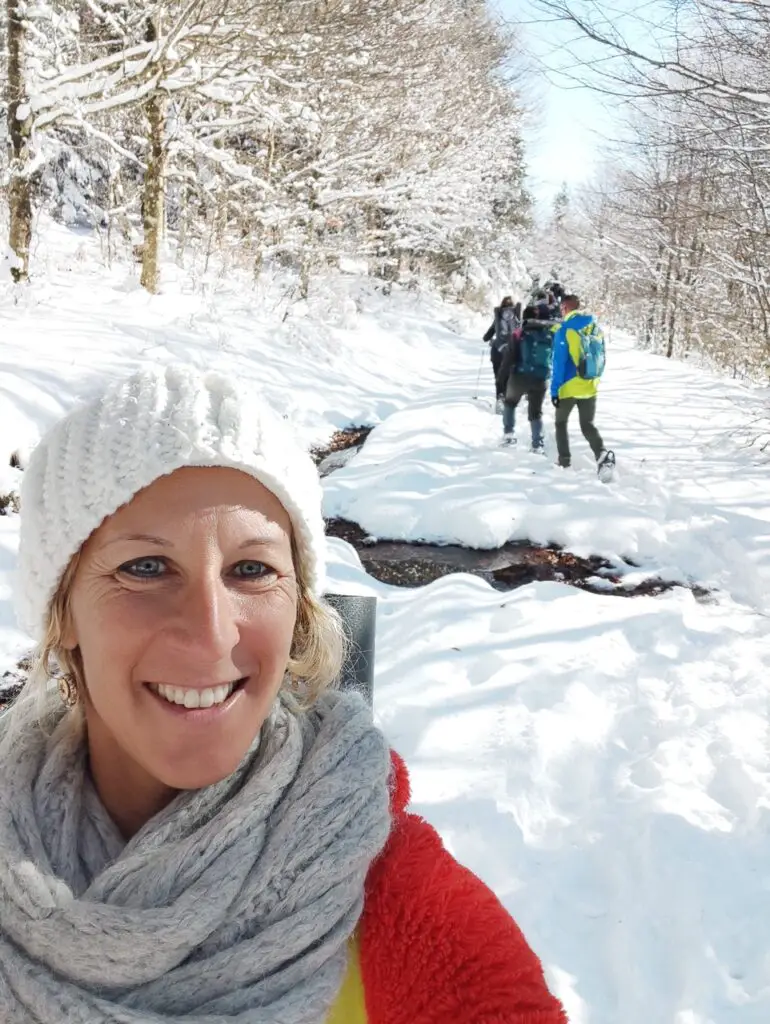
(197, 698)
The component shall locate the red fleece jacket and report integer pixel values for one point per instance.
(437, 946)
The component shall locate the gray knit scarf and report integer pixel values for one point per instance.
(235, 903)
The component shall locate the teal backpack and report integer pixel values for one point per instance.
(536, 351)
(593, 353)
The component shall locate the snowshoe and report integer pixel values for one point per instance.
(509, 441)
(605, 467)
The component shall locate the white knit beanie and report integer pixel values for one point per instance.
(139, 429)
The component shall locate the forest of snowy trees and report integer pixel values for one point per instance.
(675, 232)
(289, 130)
(304, 131)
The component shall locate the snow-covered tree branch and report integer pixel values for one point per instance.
(283, 128)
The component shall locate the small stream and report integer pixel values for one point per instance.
(340, 449)
(410, 564)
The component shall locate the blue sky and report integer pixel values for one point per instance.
(565, 143)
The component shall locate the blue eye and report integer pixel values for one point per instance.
(144, 568)
(249, 570)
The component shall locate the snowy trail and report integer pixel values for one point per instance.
(699, 511)
(603, 763)
(681, 430)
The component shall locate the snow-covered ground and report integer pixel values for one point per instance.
(603, 763)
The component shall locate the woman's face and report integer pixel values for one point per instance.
(183, 607)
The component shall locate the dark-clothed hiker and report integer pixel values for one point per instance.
(578, 363)
(525, 369)
(499, 337)
(554, 307)
(540, 302)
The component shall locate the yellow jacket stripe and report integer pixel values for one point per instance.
(350, 1006)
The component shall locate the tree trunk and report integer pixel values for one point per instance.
(672, 316)
(154, 194)
(649, 327)
(304, 275)
(19, 191)
(184, 213)
(665, 309)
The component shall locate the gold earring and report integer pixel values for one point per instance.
(68, 691)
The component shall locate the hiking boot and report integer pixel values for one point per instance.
(538, 448)
(605, 466)
(508, 441)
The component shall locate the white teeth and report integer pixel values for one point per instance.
(194, 698)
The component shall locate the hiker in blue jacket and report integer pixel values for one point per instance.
(578, 363)
(524, 371)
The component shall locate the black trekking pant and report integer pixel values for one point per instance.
(521, 384)
(496, 356)
(586, 411)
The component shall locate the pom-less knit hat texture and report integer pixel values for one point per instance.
(136, 430)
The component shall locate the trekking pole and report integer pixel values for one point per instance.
(478, 378)
(359, 620)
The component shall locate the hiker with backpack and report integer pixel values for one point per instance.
(578, 362)
(554, 305)
(499, 336)
(540, 303)
(524, 370)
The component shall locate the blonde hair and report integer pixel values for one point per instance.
(317, 652)
(319, 646)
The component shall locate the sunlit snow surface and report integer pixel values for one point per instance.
(603, 763)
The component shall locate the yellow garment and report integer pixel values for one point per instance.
(350, 1006)
(577, 387)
